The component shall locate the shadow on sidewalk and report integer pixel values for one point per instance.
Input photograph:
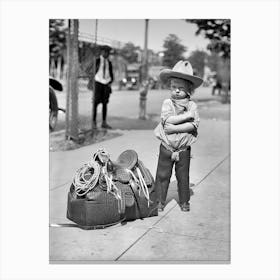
(133, 123)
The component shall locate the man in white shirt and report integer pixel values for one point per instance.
(103, 79)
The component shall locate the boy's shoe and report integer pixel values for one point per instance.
(185, 207)
(94, 126)
(105, 125)
(160, 207)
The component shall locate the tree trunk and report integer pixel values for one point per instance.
(72, 82)
(93, 124)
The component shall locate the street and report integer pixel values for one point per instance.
(123, 107)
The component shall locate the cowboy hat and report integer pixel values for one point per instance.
(182, 70)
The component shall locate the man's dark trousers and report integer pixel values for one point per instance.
(164, 172)
(102, 95)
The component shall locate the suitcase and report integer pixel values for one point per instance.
(100, 209)
(100, 212)
(103, 211)
(140, 208)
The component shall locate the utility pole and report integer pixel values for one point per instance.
(72, 81)
(146, 50)
(68, 57)
(145, 82)
(93, 80)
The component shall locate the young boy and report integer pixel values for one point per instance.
(177, 131)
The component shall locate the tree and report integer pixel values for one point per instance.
(219, 65)
(213, 61)
(197, 60)
(130, 52)
(57, 46)
(218, 32)
(153, 58)
(57, 37)
(174, 50)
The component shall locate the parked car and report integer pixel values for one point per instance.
(132, 77)
(130, 83)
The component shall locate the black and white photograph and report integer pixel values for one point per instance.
(139, 123)
(158, 157)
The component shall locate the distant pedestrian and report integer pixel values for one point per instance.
(217, 85)
(103, 79)
(177, 131)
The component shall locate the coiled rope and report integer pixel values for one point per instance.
(86, 178)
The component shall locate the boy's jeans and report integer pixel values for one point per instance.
(164, 172)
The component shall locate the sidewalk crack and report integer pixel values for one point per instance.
(149, 229)
(59, 186)
(212, 170)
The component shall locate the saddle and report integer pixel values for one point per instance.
(127, 166)
(105, 191)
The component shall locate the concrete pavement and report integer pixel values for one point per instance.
(201, 235)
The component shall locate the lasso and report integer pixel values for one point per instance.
(86, 178)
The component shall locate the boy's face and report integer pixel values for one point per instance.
(179, 88)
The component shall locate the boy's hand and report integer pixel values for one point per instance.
(189, 116)
(169, 128)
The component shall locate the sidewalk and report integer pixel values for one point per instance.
(203, 234)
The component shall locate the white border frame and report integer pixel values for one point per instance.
(254, 126)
